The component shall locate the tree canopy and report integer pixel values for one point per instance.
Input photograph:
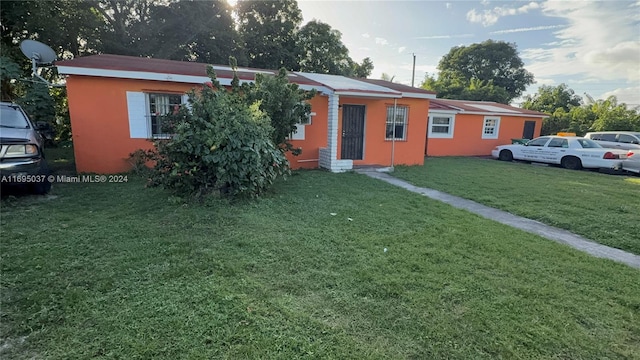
(323, 52)
(491, 70)
(550, 98)
(262, 34)
(568, 113)
(268, 29)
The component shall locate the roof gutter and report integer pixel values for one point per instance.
(503, 114)
(369, 94)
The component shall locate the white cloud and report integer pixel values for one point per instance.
(545, 81)
(535, 28)
(421, 68)
(629, 96)
(484, 2)
(490, 17)
(366, 35)
(402, 49)
(448, 5)
(598, 50)
(402, 71)
(381, 41)
(431, 37)
(600, 41)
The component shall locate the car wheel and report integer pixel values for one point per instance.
(43, 187)
(505, 155)
(571, 162)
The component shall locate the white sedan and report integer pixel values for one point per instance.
(570, 152)
(632, 163)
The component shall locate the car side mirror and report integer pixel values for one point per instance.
(43, 126)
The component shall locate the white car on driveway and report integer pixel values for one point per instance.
(570, 152)
(632, 163)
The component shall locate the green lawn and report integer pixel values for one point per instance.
(601, 207)
(118, 271)
(60, 159)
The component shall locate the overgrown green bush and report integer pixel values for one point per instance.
(219, 143)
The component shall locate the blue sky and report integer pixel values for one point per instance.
(592, 46)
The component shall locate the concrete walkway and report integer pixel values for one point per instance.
(528, 225)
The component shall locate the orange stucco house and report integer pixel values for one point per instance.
(474, 128)
(114, 100)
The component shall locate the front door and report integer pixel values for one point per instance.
(352, 132)
(529, 129)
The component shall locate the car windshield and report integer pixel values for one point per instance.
(588, 144)
(12, 117)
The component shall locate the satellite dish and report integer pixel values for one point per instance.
(38, 52)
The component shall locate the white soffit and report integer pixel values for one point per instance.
(241, 70)
(341, 83)
(493, 108)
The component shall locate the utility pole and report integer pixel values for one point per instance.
(413, 72)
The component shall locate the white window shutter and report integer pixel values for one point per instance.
(298, 134)
(138, 122)
(185, 101)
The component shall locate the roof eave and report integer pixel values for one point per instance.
(153, 76)
(418, 95)
(503, 114)
(369, 94)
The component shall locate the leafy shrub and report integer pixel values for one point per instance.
(285, 104)
(221, 143)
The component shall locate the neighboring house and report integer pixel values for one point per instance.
(474, 128)
(114, 103)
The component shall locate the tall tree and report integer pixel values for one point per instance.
(611, 115)
(322, 50)
(572, 116)
(67, 26)
(125, 25)
(479, 90)
(363, 69)
(268, 30)
(493, 65)
(195, 30)
(550, 98)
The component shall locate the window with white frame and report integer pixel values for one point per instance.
(441, 125)
(490, 127)
(299, 132)
(146, 109)
(160, 105)
(399, 126)
(307, 120)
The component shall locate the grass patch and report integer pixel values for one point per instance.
(112, 270)
(61, 160)
(601, 207)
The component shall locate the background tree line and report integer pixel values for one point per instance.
(569, 113)
(261, 34)
(493, 71)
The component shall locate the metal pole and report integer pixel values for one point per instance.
(413, 73)
(393, 138)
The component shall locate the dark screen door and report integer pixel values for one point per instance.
(352, 132)
(529, 129)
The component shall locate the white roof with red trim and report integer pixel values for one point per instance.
(480, 107)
